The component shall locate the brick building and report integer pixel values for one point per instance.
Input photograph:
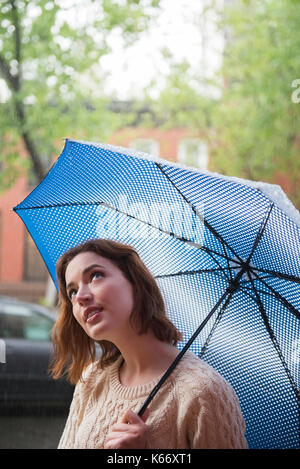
(22, 270)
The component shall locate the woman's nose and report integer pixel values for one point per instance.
(83, 294)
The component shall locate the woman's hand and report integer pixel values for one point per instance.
(130, 433)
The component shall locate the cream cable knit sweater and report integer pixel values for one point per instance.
(195, 408)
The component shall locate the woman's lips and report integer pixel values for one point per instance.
(92, 311)
(93, 317)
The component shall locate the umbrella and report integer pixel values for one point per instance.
(225, 253)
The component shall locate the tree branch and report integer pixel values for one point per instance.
(38, 167)
(15, 83)
(8, 77)
(17, 35)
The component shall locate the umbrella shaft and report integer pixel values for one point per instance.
(182, 352)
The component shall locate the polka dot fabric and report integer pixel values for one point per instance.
(203, 237)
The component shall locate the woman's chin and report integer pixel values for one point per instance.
(97, 332)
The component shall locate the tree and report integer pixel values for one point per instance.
(257, 120)
(252, 124)
(49, 63)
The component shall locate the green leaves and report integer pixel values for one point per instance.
(49, 59)
(252, 126)
(257, 121)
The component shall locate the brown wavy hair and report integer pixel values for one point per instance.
(73, 348)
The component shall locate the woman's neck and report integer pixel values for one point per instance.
(145, 359)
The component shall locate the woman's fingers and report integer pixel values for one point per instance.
(132, 418)
(119, 427)
(130, 433)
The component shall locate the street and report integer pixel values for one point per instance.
(30, 432)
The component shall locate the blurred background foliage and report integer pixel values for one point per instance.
(250, 121)
(48, 52)
(257, 120)
(253, 124)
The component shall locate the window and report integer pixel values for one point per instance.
(146, 145)
(34, 266)
(20, 322)
(193, 152)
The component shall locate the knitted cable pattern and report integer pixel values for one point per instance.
(195, 408)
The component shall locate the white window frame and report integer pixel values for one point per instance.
(201, 161)
(141, 144)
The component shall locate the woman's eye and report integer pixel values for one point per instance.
(71, 294)
(96, 275)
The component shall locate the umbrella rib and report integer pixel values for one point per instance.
(227, 260)
(190, 272)
(245, 287)
(274, 340)
(222, 268)
(275, 273)
(180, 238)
(247, 290)
(207, 225)
(214, 326)
(267, 277)
(208, 250)
(260, 233)
(279, 297)
(64, 204)
(78, 204)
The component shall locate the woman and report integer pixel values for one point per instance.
(108, 297)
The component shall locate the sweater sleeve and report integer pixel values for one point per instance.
(214, 418)
(68, 437)
(67, 440)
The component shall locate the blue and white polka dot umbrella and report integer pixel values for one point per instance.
(225, 253)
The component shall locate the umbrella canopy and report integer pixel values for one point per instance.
(220, 248)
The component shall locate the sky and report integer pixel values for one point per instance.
(182, 29)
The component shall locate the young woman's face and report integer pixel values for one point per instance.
(101, 296)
